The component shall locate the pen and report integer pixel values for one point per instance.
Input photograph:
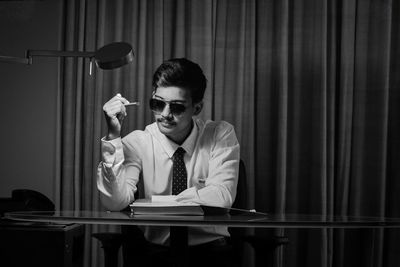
(132, 104)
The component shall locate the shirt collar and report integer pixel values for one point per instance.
(169, 146)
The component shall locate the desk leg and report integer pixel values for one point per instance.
(179, 245)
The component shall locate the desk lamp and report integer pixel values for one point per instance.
(110, 56)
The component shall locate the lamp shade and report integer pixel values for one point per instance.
(114, 55)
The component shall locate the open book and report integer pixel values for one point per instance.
(167, 205)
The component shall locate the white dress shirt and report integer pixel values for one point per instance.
(211, 159)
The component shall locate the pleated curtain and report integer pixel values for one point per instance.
(311, 86)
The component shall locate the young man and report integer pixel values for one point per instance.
(209, 150)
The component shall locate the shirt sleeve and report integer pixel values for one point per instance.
(116, 176)
(220, 185)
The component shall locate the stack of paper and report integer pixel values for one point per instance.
(164, 205)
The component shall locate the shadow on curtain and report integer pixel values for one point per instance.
(311, 86)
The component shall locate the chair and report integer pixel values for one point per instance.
(111, 243)
(264, 246)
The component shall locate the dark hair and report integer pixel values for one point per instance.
(182, 73)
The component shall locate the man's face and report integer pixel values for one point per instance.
(174, 124)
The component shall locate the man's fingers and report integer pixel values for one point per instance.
(117, 99)
(116, 111)
(122, 111)
(120, 117)
(115, 106)
(122, 99)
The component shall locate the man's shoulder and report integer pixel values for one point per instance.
(215, 129)
(215, 134)
(216, 126)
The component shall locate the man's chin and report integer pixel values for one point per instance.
(166, 127)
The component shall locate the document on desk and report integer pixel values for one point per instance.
(165, 205)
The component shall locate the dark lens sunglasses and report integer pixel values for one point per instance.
(158, 106)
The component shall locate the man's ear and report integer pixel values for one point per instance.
(198, 107)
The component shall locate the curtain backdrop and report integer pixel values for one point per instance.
(311, 86)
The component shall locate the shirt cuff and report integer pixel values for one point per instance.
(111, 151)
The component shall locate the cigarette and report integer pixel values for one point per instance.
(132, 104)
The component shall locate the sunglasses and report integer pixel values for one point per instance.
(158, 106)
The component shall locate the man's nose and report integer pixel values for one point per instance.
(166, 111)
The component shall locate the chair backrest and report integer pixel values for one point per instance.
(241, 192)
(240, 203)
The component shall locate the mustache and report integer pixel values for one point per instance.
(167, 120)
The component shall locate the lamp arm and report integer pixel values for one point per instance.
(55, 53)
(110, 56)
(19, 60)
(44, 53)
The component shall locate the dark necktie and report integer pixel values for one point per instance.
(179, 174)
